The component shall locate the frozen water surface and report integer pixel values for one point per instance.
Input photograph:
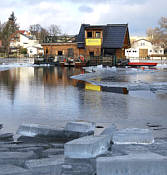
(47, 95)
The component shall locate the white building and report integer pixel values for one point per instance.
(143, 48)
(25, 40)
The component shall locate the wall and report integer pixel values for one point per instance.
(53, 49)
(120, 53)
(95, 49)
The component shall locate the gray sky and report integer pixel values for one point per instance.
(70, 14)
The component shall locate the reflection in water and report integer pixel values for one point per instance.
(9, 80)
(47, 95)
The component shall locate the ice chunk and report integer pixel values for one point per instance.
(133, 136)
(13, 170)
(134, 164)
(87, 147)
(110, 130)
(16, 158)
(6, 137)
(40, 133)
(80, 126)
(49, 166)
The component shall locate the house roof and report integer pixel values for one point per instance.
(113, 34)
(142, 40)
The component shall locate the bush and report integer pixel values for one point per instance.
(23, 51)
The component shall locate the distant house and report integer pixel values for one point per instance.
(25, 40)
(93, 40)
(33, 50)
(143, 48)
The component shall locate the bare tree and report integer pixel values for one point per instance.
(158, 35)
(54, 30)
(35, 30)
(38, 31)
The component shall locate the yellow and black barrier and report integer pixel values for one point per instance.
(89, 86)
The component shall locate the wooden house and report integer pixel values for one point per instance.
(93, 40)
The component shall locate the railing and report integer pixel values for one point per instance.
(160, 60)
(18, 60)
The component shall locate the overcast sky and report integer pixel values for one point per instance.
(70, 14)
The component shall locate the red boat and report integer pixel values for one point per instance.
(141, 64)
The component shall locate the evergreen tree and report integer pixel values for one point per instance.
(8, 30)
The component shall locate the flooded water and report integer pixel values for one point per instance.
(47, 95)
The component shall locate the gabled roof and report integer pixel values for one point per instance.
(81, 36)
(142, 40)
(113, 35)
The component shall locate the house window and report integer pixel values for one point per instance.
(98, 34)
(89, 34)
(60, 53)
(160, 51)
(156, 51)
(150, 50)
(91, 54)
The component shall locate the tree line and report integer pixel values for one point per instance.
(8, 28)
(157, 35)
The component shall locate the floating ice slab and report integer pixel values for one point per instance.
(16, 158)
(134, 164)
(40, 133)
(13, 170)
(133, 136)
(49, 166)
(32, 130)
(80, 126)
(87, 147)
(110, 130)
(6, 137)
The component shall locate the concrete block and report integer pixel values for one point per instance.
(49, 166)
(80, 126)
(13, 170)
(134, 164)
(133, 136)
(15, 158)
(87, 147)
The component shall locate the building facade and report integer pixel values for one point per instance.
(143, 48)
(92, 41)
(25, 40)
